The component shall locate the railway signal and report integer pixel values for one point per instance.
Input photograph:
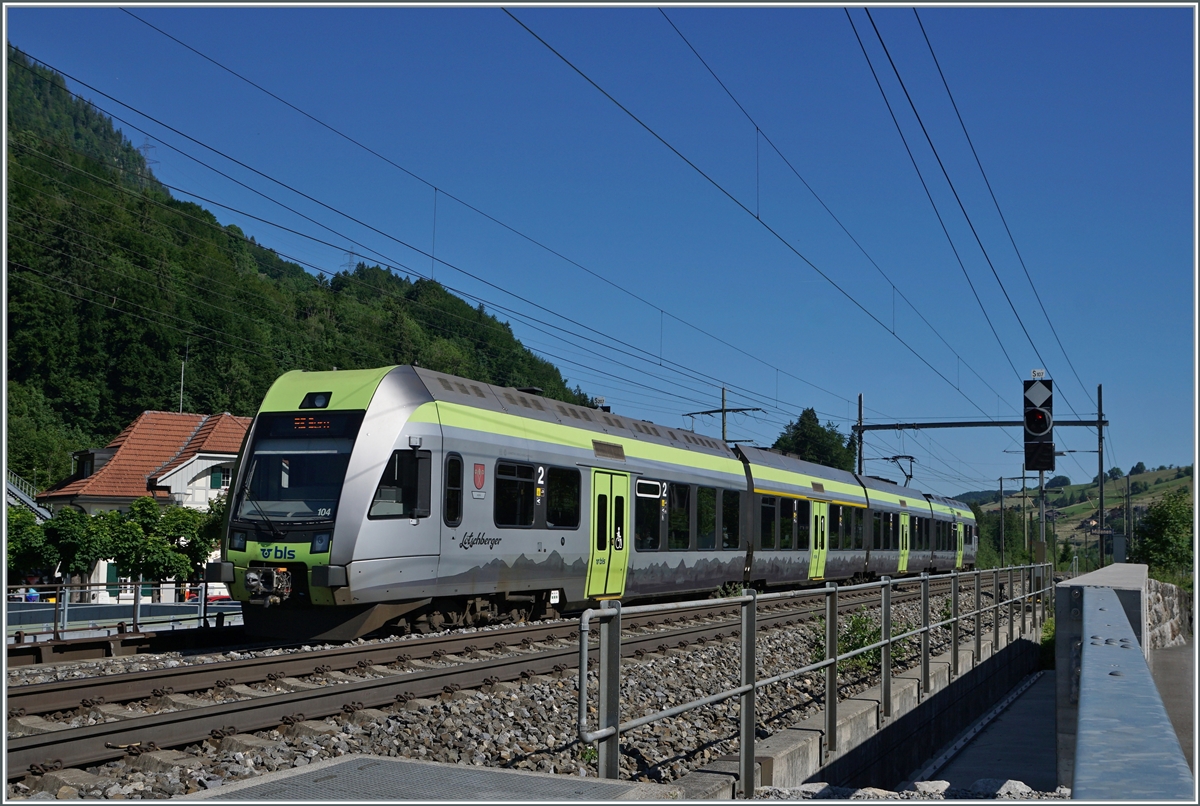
(1039, 424)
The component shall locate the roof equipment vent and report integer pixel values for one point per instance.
(608, 450)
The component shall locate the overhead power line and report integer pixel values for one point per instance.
(744, 208)
(996, 202)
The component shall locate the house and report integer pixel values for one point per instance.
(176, 458)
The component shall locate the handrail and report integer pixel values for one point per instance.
(609, 617)
(58, 617)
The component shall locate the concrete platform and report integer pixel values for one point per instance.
(1174, 673)
(1018, 744)
(364, 777)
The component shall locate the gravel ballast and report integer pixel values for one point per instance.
(531, 725)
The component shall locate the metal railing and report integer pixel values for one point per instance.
(22, 485)
(1035, 584)
(55, 609)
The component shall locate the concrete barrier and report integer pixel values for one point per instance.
(1128, 582)
(880, 753)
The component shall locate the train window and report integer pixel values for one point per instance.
(896, 530)
(452, 500)
(514, 494)
(706, 518)
(562, 498)
(403, 491)
(618, 522)
(767, 522)
(731, 514)
(679, 523)
(787, 522)
(858, 527)
(832, 536)
(877, 540)
(648, 516)
(602, 523)
(803, 516)
(648, 489)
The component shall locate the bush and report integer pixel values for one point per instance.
(1047, 648)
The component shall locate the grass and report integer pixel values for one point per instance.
(1047, 648)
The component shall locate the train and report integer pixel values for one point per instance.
(406, 499)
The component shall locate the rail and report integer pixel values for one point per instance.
(1036, 587)
(59, 608)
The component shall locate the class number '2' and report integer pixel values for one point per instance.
(541, 476)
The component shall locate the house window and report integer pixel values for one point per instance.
(220, 477)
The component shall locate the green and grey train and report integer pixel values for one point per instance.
(406, 498)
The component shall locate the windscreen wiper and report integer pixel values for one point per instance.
(276, 532)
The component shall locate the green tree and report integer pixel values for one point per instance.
(1115, 473)
(80, 541)
(806, 439)
(1059, 481)
(184, 530)
(1164, 537)
(28, 548)
(1138, 469)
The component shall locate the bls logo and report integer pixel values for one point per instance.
(279, 553)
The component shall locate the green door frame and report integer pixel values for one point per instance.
(608, 556)
(958, 529)
(817, 533)
(904, 542)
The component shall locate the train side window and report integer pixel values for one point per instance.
(803, 516)
(452, 499)
(679, 525)
(896, 530)
(858, 528)
(787, 522)
(767, 522)
(562, 498)
(404, 488)
(647, 512)
(877, 540)
(833, 535)
(731, 524)
(706, 518)
(602, 522)
(515, 497)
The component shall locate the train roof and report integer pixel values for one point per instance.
(523, 403)
(777, 472)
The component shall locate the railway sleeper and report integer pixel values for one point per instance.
(246, 743)
(243, 690)
(309, 728)
(54, 781)
(165, 761)
(32, 724)
(179, 701)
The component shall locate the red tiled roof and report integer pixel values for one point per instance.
(221, 433)
(155, 441)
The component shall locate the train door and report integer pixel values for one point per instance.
(905, 520)
(609, 555)
(958, 535)
(816, 564)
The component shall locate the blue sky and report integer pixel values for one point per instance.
(1083, 119)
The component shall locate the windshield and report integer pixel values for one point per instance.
(297, 465)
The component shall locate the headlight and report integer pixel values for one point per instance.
(237, 541)
(320, 543)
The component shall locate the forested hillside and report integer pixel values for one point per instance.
(111, 282)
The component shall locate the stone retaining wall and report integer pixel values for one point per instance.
(1170, 614)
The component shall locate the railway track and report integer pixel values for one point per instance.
(241, 696)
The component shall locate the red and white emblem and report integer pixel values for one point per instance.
(478, 477)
